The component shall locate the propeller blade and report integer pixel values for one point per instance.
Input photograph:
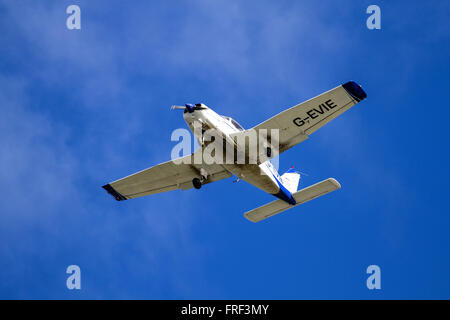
(188, 107)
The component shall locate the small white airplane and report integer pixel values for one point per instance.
(294, 126)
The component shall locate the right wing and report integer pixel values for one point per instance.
(297, 123)
(167, 176)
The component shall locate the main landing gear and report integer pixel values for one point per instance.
(197, 183)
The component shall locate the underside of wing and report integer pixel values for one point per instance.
(167, 176)
(297, 123)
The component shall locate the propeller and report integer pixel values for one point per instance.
(188, 107)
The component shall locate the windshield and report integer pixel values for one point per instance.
(234, 123)
(237, 125)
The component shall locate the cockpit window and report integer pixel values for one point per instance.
(237, 125)
(234, 123)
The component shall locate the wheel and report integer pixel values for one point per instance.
(197, 183)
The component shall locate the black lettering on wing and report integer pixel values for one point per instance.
(298, 122)
(330, 104)
(312, 114)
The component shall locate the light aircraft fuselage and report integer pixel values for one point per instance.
(261, 175)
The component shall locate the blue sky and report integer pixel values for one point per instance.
(84, 107)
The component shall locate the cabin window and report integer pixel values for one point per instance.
(237, 125)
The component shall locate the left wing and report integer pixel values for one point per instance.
(297, 123)
(167, 176)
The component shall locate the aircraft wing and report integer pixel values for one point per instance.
(167, 176)
(297, 123)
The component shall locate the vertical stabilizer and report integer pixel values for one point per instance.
(290, 180)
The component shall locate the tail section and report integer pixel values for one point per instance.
(290, 180)
(302, 196)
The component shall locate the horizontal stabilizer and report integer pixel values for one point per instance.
(302, 196)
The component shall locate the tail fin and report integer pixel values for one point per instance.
(290, 180)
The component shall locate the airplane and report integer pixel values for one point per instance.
(293, 126)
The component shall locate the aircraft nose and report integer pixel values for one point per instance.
(189, 108)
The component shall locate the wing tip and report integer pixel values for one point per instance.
(113, 192)
(250, 218)
(336, 183)
(355, 90)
